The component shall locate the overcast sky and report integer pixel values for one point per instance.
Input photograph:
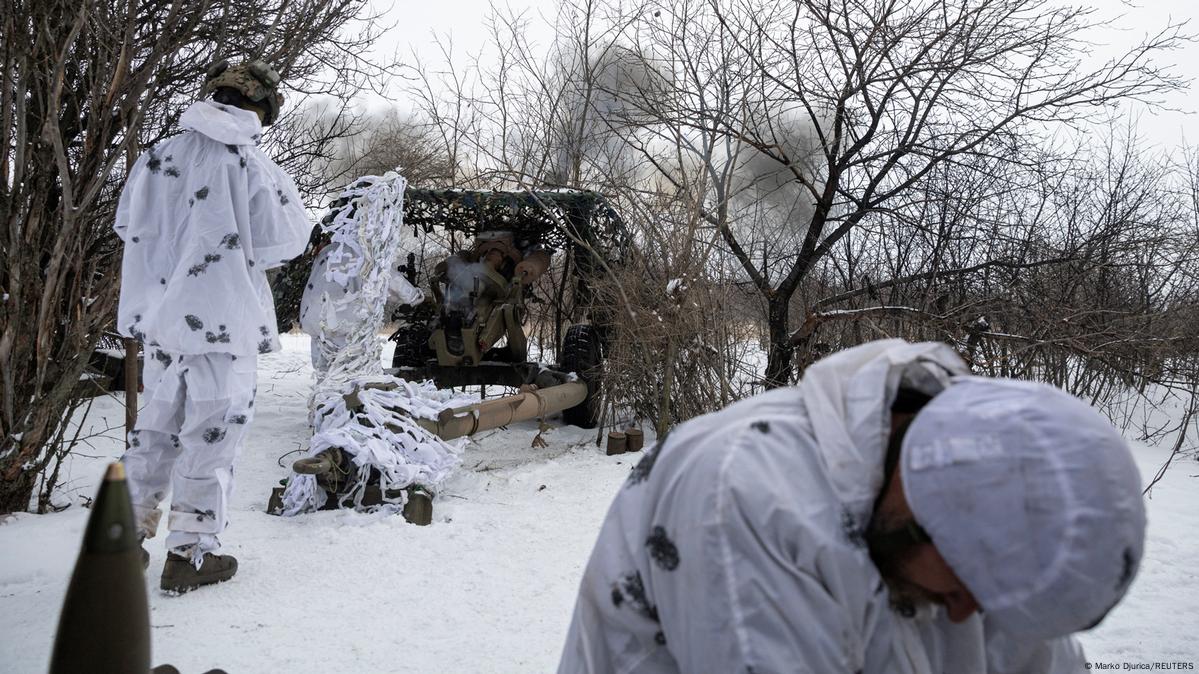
(415, 23)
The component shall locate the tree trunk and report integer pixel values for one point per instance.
(16, 493)
(781, 353)
(23, 460)
(665, 418)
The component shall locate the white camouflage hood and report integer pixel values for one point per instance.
(848, 397)
(223, 123)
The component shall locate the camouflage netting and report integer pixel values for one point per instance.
(563, 221)
(380, 435)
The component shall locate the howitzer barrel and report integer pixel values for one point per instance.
(332, 465)
(471, 419)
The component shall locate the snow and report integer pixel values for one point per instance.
(488, 587)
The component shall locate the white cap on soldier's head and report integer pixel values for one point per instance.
(1031, 497)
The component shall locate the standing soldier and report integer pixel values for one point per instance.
(203, 216)
(325, 314)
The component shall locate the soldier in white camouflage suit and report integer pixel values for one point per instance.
(203, 216)
(889, 515)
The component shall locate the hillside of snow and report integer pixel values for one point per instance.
(488, 587)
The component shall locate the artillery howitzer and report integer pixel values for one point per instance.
(481, 293)
(472, 328)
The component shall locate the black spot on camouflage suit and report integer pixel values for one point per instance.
(221, 337)
(202, 193)
(196, 270)
(134, 441)
(854, 528)
(662, 550)
(640, 472)
(1129, 561)
(264, 346)
(660, 638)
(237, 419)
(231, 148)
(171, 171)
(629, 590)
(193, 322)
(231, 241)
(263, 330)
(283, 200)
(214, 435)
(154, 163)
(162, 357)
(135, 239)
(760, 426)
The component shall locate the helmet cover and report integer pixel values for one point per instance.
(1031, 497)
(255, 80)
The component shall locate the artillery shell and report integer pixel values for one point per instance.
(105, 620)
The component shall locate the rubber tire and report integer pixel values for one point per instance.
(582, 354)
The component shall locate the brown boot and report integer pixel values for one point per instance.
(180, 575)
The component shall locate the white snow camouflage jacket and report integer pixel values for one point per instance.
(203, 215)
(737, 545)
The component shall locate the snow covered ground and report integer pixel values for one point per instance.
(489, 587)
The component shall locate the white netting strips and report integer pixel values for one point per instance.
(382, 436)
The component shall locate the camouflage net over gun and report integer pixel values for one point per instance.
(583, 223)
(381, 433)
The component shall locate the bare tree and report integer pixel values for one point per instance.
(1082, 276)
(890, 91)
(389, 141)
(884, 168)
(86, 86)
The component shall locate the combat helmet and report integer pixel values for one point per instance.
(1032, 498)
(255, 80)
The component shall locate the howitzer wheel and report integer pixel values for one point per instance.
(582, 354)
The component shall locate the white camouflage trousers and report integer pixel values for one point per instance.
(187, 436)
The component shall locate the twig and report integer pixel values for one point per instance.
(1182, 433)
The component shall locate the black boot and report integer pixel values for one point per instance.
(180, 575)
